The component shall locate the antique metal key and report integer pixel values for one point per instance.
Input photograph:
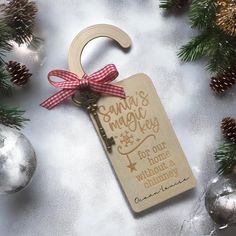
(88, 100)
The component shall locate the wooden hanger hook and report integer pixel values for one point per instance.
(88, 34)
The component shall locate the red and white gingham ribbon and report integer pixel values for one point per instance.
(97, 82)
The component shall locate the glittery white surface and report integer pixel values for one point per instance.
(74, 190)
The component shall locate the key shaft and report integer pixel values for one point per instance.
(88, 101)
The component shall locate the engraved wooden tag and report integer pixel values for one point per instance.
(147, 157)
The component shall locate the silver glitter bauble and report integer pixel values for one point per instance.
(220, 200)
(17, 160)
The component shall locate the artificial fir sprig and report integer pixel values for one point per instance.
(219, 48)
(12, 117)
(5, 83)
(172, 4)
(225, 156)
(5, 36)
(202, 14)
(167, 4)
(195, 48)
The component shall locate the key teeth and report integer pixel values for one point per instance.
(109, 149)
(112, 141)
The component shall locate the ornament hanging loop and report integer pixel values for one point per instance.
(87, 35)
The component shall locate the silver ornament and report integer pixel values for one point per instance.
(17, 160)
(220, 200)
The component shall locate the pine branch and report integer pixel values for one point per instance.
(5, 36)
(225, 156)
(195, 48)
(5, 83)
(202, 14)
(167, 4)
(218, 47)
(12, 117)
(222, 52)
(220, 62)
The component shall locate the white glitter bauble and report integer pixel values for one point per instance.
(17, 160)
(220, 200)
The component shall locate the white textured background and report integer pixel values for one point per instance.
(74, 191)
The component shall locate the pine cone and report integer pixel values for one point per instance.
(19, 73)
(224, 81)
(20, 16)
(226, 16)
(228, 127)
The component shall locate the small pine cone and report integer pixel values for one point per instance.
(19, 73)
(223, 82)
(181, 3)
(228, 127)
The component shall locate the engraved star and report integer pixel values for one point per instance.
(132, 167)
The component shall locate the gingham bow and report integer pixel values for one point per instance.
(97, 82)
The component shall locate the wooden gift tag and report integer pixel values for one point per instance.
(147, 156)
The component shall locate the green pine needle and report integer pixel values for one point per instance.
(215, 45)
(12, 117)
(5, 83)
(167, 4)
(225, 156)
(202, 14)
(221, 53)
(195, 48)
(5, 36)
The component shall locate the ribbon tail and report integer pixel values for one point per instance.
(57, 98)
